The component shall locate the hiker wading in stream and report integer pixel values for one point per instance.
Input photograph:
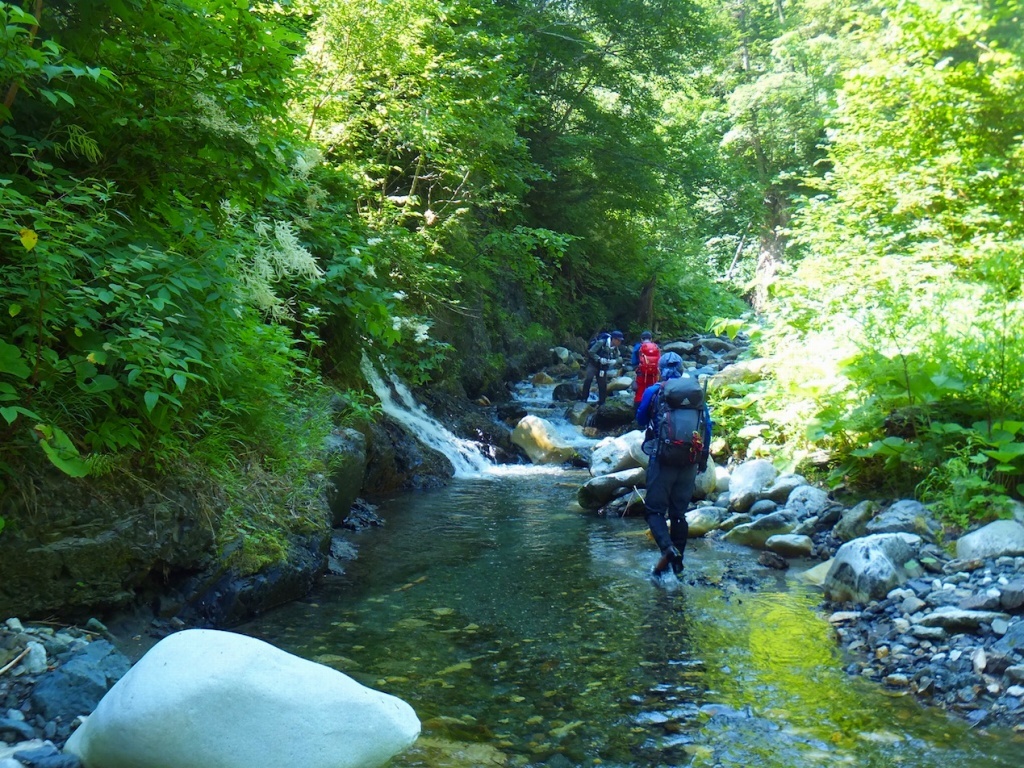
(602, 354)
(678, 440)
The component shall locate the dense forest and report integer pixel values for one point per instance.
(211, 210)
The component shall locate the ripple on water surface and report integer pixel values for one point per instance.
(525, 633)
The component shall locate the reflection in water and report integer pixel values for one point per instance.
(525, 632)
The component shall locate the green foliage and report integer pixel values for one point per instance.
(893, 319)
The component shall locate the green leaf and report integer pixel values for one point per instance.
(1006, 453)
(100, 383)
(11, 361)
(61, 452)
(180, 379)
(151, 397)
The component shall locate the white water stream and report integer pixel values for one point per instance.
(398, 403)
(466, 456)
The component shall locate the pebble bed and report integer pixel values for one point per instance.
(950, 637)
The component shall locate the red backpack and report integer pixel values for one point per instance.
(649, 356)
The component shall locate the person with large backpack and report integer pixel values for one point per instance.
(678, 441)
(602, 354)
(646, 359)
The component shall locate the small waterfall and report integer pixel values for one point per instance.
(399, 403)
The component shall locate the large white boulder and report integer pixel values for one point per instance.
(216, 699)
(1003, 537)
(614, 454)
(539, 439)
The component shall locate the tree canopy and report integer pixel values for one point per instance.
(210, 209)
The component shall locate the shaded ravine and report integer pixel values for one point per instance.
(525, 632)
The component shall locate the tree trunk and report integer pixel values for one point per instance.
(645, 307)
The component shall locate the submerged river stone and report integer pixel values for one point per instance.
(224, 700)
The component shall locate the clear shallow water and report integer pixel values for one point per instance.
(525, 632)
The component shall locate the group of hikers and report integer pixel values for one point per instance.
(672, 408)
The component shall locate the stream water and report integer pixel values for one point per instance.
(525, 632)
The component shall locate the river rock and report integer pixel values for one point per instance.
(722, 480)
(757, 532)
(732, 521)
(702, 520)
(704, 485)
(868, 568)
(1003, 537)
(853, 523)
(958, 620)
(1011, 597)
(211, 698)
(748, 483)
(763, 507)
(790, 545)
(578, 414)
(614, 454)
(816, 575)
(905, 516)
(616, 412)
(78, 685)
(539, 439)
(783, 486)
(682, 348)
(619, 384)
(566, 391)
(1012, 641)
(598, 491)
(742, 372)
(807, 501)
(560, 355)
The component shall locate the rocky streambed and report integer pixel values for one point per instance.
(917, 612)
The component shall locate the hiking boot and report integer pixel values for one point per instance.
(669, 558)
(677, 565)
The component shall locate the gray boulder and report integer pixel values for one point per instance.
(868, 568)
(755, 533)
(906, 516)
(705, 482)
(703, 520)
(763, 507)
(564, 392)
(1003, 537)
(748, 483)
(578, 414)
(560, 355)
(76, 687)
(1012, 641)
(853, 523)
(783, 486)
(615, 454)
(807, 501)
(600, 490)
(956, 620)
(790, 545)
